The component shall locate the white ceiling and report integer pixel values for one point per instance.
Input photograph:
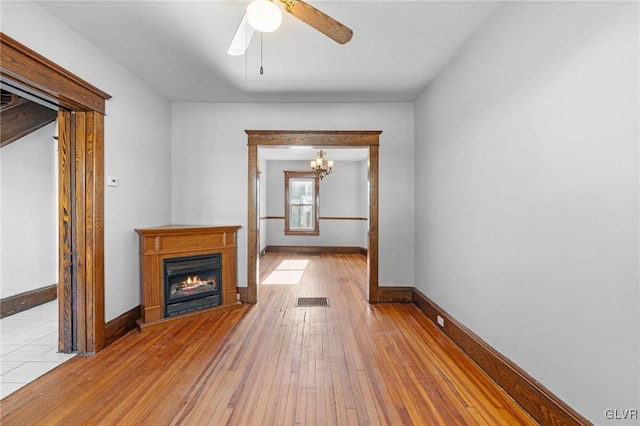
(179, 48)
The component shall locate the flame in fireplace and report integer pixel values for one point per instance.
(192, 285)
(192, 282)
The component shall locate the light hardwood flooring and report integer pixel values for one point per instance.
(274, 363)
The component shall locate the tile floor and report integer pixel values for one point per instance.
(29, 346)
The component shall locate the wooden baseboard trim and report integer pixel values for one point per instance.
(121, 325)
(395, 294)
(533, 397)
(27, 300)
(315, 249)
(244, 294)
(320, 218)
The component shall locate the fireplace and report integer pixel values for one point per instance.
(192, 283)
(186, 272)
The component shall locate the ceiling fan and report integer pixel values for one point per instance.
(265, 16)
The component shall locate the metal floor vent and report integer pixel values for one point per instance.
(312, 301)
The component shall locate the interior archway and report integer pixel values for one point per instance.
(81, 108)
(339, 138)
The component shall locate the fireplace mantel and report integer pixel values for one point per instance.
(166, 242)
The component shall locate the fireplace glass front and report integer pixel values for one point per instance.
(192, 283)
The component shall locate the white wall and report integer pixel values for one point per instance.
(211, 139)
(264, 196)
(340, 196)
(527, 195)
(363, 191)
(29, 217)
(137, 144)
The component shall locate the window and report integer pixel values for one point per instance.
(301, 199)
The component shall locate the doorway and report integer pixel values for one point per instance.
(286, 138)
(81, 108)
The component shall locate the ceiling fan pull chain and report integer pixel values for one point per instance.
(246, 55)
(261, 69)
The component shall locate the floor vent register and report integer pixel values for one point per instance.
(312, 301)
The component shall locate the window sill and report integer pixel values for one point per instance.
(303, 233)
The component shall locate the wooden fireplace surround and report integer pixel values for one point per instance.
(158, 244)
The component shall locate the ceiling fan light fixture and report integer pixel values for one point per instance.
(264, 16)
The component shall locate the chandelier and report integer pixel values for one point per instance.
(320, 166)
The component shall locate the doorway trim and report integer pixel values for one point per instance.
(81, 108)
(317, 138)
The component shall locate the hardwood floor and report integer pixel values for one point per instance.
(274, 363)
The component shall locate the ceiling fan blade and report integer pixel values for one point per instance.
(320, 21)
(242, 38)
